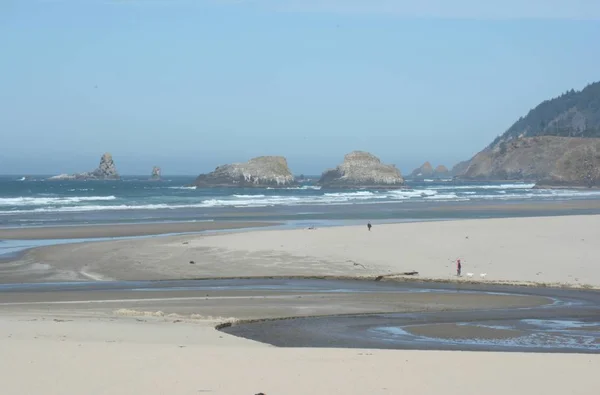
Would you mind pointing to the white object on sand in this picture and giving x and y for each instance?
(469, 274)
(482, 275)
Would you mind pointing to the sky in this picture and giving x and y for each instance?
(189, 85)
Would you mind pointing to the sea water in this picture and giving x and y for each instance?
(36, 201)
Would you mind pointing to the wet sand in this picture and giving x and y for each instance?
(160, 342)
(122, 230)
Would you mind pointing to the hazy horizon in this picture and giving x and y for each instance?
(188, 86)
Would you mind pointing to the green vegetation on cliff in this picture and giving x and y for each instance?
(572, 114)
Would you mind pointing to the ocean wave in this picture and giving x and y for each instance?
(47, 201)
(303, 187)
(351, 194)
(485, 186)
(249, 196)
(411, 193)
(52, 203)
(191, 188)
(442, 196)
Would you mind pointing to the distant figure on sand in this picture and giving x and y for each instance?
(458, 267)
(369, 226)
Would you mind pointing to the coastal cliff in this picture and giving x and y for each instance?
(362, 169)
(548, 160)
(264, 171)
(555, 145)
(106, 171)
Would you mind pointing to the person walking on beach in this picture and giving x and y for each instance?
(458, 267)
(369, 226)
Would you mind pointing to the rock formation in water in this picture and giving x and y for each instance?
(106, 171)
(426, 171)
(441, 171)
(362, 170)
(556, 145)
(155, 176)
(264, 171)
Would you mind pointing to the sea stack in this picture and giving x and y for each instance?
(264, 171)
(362, 170)
(106, 171)
(424, 171)
(441, 171)
(155, 176)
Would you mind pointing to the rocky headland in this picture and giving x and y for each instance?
(548, 160)
(106, 171)
(264, 171)
(557, 145)
(362, 170)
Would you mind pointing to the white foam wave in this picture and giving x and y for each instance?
(351, 194)
(411, 193)
(41, 204)
(442, 196)
(305, 187)
(191, 188)
(249, 196)
(485, 186)
(541, 194)
(46, 201)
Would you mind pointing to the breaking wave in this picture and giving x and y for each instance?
(46, 201)
(307, 196)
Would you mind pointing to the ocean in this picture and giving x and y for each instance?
(34, 201)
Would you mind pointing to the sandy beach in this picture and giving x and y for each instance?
(169, 344)
(95, 357)
(83, 347)
(548, 250)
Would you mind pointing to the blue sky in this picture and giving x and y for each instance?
(189, 85)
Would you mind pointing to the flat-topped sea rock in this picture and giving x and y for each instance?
(106, 171)
(362, 170)
(264, 171)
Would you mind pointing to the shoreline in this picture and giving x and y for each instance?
(124, 230)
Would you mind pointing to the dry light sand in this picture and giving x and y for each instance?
(125, 357)
(109, 355)
(551, 250)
